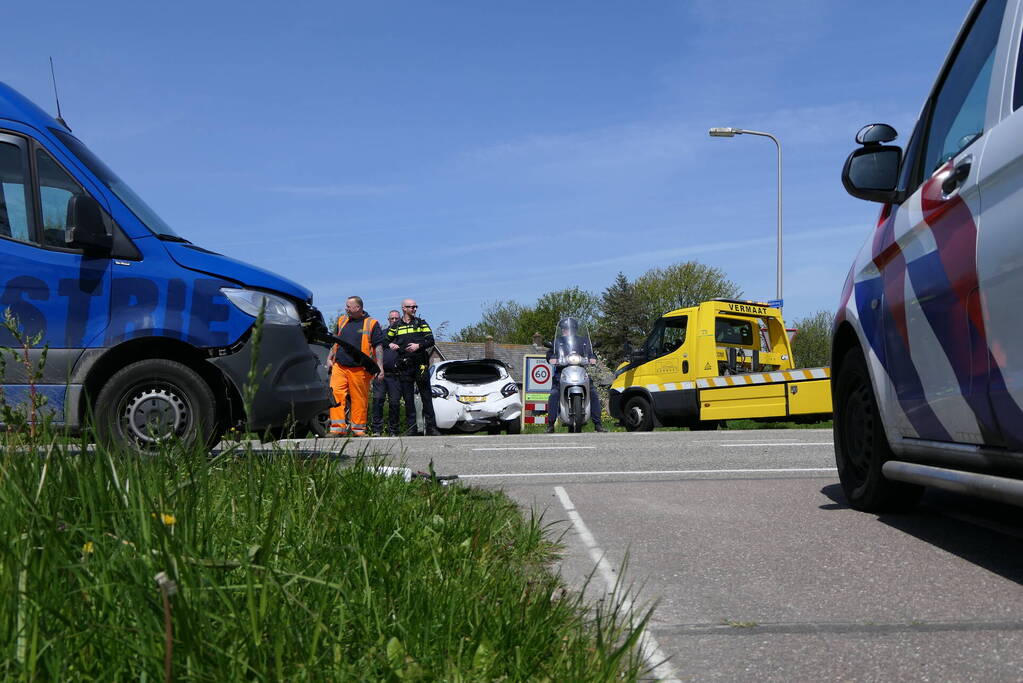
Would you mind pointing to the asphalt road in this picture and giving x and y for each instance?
(754, 564)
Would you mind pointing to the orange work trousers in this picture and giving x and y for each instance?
(352, 384)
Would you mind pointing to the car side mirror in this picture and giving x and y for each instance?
(872, 172)
(638, 355)
(547, 345)
(86, 228)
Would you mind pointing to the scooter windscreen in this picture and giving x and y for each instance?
(572, 342)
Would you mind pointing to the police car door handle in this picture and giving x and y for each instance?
(960, 173)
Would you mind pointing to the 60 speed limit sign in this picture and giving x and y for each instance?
(537, 375)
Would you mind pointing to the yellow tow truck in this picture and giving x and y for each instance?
(724, 359)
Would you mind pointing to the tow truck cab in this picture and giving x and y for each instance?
(149, 332)
(723, 359)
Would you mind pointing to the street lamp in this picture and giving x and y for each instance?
(724, 132)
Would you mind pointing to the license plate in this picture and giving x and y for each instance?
(472, 399)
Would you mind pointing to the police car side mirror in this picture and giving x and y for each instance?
(876, 134)
(85, 226)
(872, 172)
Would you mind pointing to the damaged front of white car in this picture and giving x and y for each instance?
(470, 395)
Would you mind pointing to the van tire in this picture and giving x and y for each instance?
(637, 415)
(861, 447)
(160, 392)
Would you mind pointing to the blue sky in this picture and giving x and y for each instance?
(466, 152)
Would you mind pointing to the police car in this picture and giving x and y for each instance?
(927, 359)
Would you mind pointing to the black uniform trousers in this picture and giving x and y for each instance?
(388, 389)
(412, 379)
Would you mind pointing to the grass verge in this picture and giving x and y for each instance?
(254, 566)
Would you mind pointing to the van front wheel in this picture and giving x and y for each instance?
(154, 401)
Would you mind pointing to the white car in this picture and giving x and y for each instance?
(470, 395)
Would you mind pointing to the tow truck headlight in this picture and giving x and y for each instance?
(574, 359)
(509, 389)
(277, 310)
(438, 391)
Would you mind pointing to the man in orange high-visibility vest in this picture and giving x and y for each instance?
(349, 379)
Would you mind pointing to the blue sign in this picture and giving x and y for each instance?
(776, 303)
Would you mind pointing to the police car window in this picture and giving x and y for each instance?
(13, 194)
(957, 116)
(56, 188)
(733, 331)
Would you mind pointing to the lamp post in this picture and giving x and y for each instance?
(732, 132)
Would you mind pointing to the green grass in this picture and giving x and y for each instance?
(283, 568)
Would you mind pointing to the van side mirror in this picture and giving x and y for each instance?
(85, 226)
(872, 172)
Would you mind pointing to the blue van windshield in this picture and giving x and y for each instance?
(116, 185)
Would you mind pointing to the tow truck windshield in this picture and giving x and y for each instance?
(120, 188)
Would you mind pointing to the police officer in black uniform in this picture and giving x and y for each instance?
(388, 389)
(412, 338)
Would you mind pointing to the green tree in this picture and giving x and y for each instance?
(621, 319)
(811, 347)
(551, 307)
(510, 322)
(660, 290)
(500, 320)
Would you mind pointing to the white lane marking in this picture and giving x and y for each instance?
(790, 442)
(775, 443)
(545, 443)
(774, 470)
(652, 652)
(536, 448)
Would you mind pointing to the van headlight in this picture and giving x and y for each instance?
(276, 309)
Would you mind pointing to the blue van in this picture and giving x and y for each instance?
(145, 333)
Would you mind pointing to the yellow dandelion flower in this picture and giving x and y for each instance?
(88, 548)
(168, 520)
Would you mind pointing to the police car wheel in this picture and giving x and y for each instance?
(637, 415)
(154, 401)
(861, 447)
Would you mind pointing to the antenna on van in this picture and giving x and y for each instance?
(53, 77)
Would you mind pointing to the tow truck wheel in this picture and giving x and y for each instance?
(154, 401)
(861, 447)
(637, 415)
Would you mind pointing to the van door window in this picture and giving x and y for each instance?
(13, 194)
(56, 187)
(669, 335)
(957, 116)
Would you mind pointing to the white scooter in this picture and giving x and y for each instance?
(571, 353)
